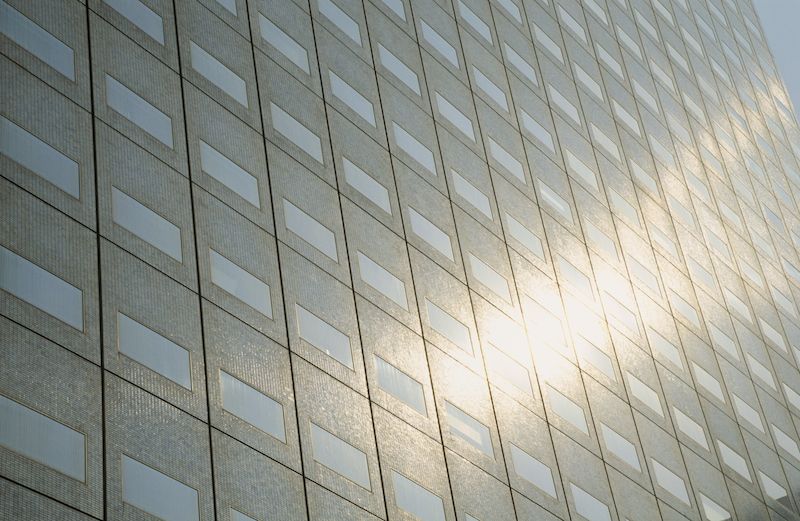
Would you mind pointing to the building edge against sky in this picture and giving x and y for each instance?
(396, 259)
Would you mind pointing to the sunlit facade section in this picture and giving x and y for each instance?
(437, 260)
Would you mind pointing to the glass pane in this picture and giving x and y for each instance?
(154, 351)
(252, 406)
(146, 224)
(40, 288)
(324, 336)
(340, 456)
(400, 385)
(241, 284)
(37, 41)
(42, 439)
(39, 157)
(469, 429)
(417, 500)
(533, 470)
(141, 113)
(218, 74)
(156, 493)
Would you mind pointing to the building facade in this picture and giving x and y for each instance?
(333, 260)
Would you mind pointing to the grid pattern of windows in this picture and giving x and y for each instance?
(395, 259)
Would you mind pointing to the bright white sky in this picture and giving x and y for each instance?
(781, 22)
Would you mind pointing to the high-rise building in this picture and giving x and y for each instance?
(463, 260)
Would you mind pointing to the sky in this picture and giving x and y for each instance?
(780, 20)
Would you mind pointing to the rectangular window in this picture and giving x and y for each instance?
(626, 117)
(324, 336)
(525, 68)
(397, 8)
(218, 74)
(735, 461)
(573, 25)
(533, 126)
(40, 158)
(457, 118)
(285, 44)
(340, 456)
(411, 146)
(366, 185)
(555, 202)
(597, 10)
(507, 160)
(581, 170)
(449, 327)
(737, 304)
(375, 275)
(760, 371)
(564, 104)
(400, 385)
(475, 21)
(138, 111)
(589, 506)
(141, 16)
(708, 382)
(600, 239)
(487, 276)
(238, 516)
(690, 428)
(641, 272)
(587, 81)
(238, 282)
(310, 230)
(230, 5)
(621, 206)
(548, 43)
(685, 309)
(645, 394)
(252, 406)
(490, 88)
(472, 194)
(158, 494)
(606, 57)
(145, 223)
(430, 233)
(786, 442)
(234, 177)
(773, 335)
(42, 439)
(340, 19)
(596, 357)
(469, 429)
(512, 9)
(665, 348)
(671, 482)
(352, 98)
(569, 410)
(605, 142)
(509, 369)
(296, 132)
(415, 499)
(532, 470)
(37, 41)
(629, 42)
(620, 447)
(529, 240)
(722, 341)
(446, 50)
(575, 276)
(38, 287)
(400, 70)
(154, 351)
